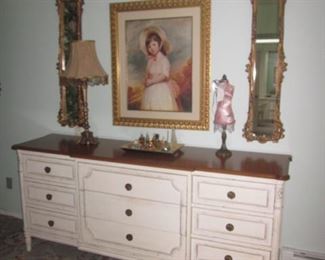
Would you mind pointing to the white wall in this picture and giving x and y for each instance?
(30, 98)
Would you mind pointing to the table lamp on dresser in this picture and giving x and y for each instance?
(85, 69)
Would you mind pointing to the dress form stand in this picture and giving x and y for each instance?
(223, 152)
(224, 119)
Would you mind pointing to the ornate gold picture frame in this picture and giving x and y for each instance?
(169, 88)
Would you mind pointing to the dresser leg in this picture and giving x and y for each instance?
(28, 240)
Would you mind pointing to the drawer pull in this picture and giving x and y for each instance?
(128, 212)
(231, 195)
(49, 196)
(129, 237)
(228, 257)
(230, 227)
(50, 223)
(47, 169)
(128, 186)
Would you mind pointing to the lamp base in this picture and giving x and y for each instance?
(87, 138)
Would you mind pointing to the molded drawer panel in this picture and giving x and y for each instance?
(150, 214)
(55, 223)
(232, 226)
(96, 231)
(50, 196)
(134, 183)
(49, 168)
(233, 194)
(203, 250)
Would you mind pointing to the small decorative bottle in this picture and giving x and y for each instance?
(173, 139)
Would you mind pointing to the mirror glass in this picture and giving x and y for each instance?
(265, 71)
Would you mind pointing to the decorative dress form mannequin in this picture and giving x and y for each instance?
(224, 119)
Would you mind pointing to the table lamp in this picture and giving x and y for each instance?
(85, 69)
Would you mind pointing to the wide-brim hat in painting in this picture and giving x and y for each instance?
(162, 34)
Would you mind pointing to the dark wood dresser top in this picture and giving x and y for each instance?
(273, 166)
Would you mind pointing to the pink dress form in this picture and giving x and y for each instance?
(224, 117)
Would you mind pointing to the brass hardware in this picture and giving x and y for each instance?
(129, 237)
(128, 186)
(230, 227)
(50, 223)
(49, 196)
(228, 257)
(128, 212)
(231, 195)
(47, 169)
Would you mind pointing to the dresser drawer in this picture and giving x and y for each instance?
(50, 222)
(234, 194)
(232, 226)
(99, 232)
(50, 196)
(142, 213)
(134, 183)
(50, 169)
(204, 250)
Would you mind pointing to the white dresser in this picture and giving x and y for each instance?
(128, 205)
(235, 217)
(50, 197)
(130, 209)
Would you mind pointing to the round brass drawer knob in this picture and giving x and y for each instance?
(228, 257)
(128, 212)
(47, 169)
(129, 237)
(128, 186)
(50, 223)
(230, 227)
(231, 195)
(49, 196)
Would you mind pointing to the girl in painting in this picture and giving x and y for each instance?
(160, 92)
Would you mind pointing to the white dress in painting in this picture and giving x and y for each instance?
(159, 96)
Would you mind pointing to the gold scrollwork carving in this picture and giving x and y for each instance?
(265, 72)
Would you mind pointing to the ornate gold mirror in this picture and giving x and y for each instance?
(71, 104)
(265, 72)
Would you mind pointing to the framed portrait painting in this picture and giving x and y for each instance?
(161, 64)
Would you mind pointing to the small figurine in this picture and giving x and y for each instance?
(156, 142)
(141, 139)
